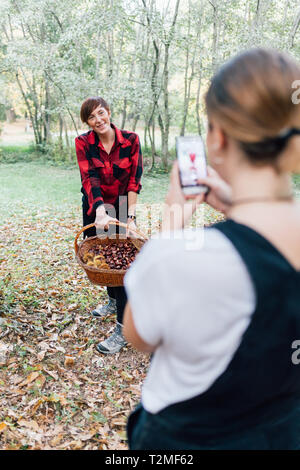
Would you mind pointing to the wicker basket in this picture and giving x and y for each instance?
(104, 277)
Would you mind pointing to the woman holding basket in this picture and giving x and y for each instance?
(111, 166)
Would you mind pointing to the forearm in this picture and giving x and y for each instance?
(100, 211)
(102, 219)
(172, 218)
(89, 176)
(132, 200)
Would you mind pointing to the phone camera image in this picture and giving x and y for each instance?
(192, 164)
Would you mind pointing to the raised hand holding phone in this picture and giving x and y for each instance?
(219, 195)
(177, 203)
(192, 164)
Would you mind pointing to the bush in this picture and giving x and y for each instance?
(13, 154)
(44, 153)
(63, 156)
(59, 154)
(2, 112)
(158, 168)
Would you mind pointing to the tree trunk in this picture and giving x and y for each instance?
(124, 114)
(153, 135)
(65, 102)
(164, 149)
(98, 61)
(37, 111)
(60, 140)
(11, 115)
(47, 113)
(215, 35)
(165, 128)
(188, 85)
(166, 114)
(30, 112)
(155, 68)
(66, 133)
(151, 130)
(164, 143)
(294, 29)
(145, 135)
(136, 120)
(198, 99)
(185, 99)
(69, 151)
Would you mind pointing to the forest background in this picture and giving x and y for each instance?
(150, 59)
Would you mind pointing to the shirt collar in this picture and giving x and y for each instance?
(119, 139)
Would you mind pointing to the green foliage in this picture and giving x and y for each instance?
(59, 154)
(55, 154)
(296, 181)
(2, 112)
(13, 154)
(129, 54)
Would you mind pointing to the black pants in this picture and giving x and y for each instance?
(118, 293)
(153, 431)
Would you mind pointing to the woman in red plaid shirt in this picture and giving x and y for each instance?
(111, 166)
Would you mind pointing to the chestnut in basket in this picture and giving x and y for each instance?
(114, 256)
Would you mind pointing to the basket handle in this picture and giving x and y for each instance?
(121, 224)
(78, 235)
(76, 247)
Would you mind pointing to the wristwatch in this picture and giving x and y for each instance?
(133, 217)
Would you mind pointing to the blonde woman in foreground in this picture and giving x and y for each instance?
(223, 320)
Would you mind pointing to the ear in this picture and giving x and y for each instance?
(219, 138)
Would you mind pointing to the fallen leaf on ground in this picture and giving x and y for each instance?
(2, 426)
(29, 424)
(58, 398)
(73, 444)
(122, 435)
(52, 374)
(40, 382)
(41, 355)
(69, 361)
(56, 440)
(31, 377)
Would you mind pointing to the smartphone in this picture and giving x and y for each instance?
(192, 164)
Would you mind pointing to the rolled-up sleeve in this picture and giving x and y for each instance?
(134, 183)
(89, 175)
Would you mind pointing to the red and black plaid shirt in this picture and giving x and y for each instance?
(106, 177)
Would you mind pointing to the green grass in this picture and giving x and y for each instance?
(39, 185)
(296, 180)
(35, 186)
(21, 148)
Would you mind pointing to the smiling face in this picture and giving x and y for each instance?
(99, 120)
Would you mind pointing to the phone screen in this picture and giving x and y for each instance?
(192, 163)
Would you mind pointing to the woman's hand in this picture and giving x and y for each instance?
(131, 226)
(178, 210)
(102, 219)
(220, 195)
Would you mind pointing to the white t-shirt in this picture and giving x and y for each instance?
(196, 302)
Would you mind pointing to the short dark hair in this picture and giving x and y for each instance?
(89, 105)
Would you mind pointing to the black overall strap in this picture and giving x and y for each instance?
(261, 385)
(261, 381)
